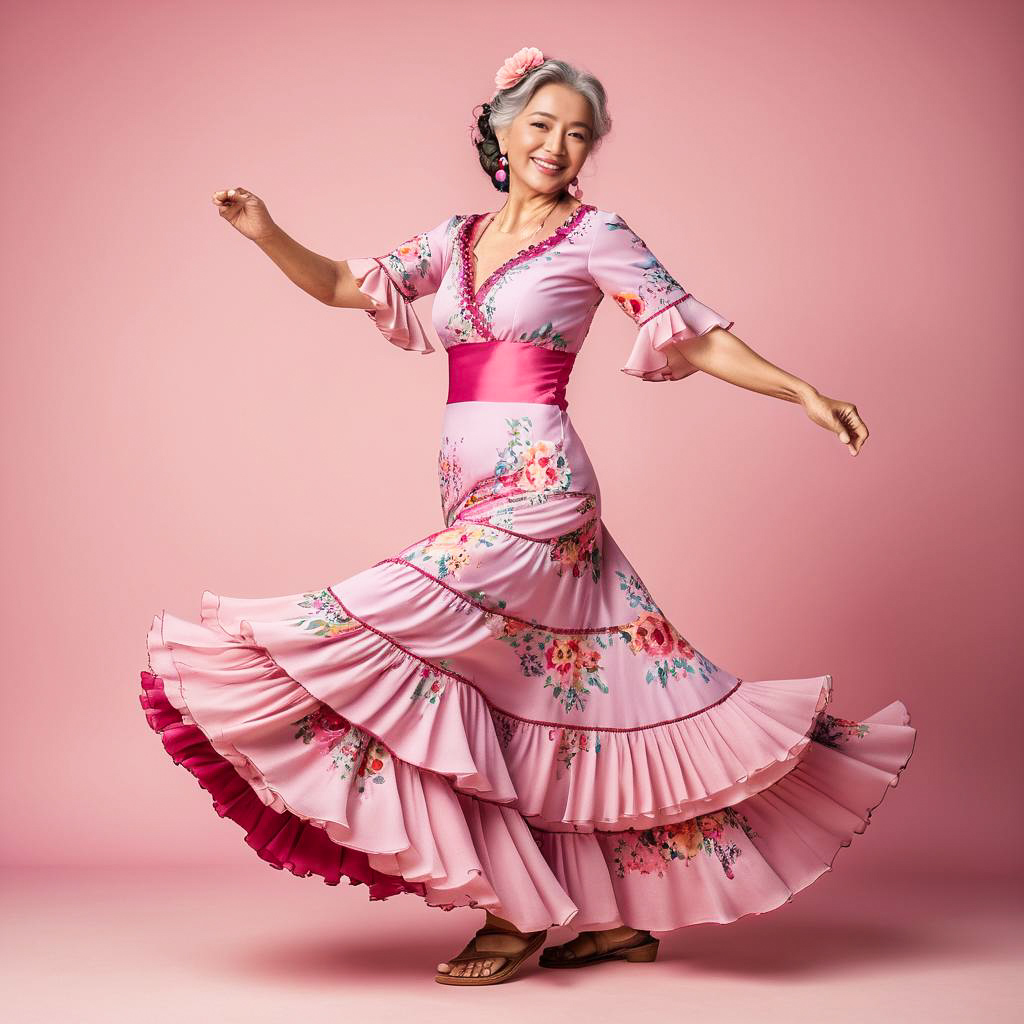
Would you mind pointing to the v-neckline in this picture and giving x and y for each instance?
(469, 256)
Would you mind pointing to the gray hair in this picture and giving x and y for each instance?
(507, 104)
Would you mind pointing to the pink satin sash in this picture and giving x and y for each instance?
(508, 371)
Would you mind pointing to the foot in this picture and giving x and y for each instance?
(622, 937)
(484, 966)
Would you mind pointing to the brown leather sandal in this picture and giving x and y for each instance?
(515, 947)
(593, 947)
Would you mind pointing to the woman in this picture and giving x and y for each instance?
(500, 716)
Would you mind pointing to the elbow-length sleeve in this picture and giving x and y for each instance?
(665, 313)
(394, 280)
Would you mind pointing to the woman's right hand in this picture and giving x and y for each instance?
(245, 211)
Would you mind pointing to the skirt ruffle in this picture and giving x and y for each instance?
(342, 753)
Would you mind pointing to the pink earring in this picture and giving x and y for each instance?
(578, 194)
(501, 174)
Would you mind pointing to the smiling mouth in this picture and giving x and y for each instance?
(545, 166)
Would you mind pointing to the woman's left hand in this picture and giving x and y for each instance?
(841, 418)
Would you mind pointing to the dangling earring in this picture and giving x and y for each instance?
(501, 175)
(578, 194)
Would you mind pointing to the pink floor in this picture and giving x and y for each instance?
(250, 944)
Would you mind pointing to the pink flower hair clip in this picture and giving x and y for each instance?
(518, 65)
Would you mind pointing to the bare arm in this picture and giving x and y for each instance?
(723, 355)
(330, 281)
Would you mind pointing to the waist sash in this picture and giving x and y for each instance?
(508, 371)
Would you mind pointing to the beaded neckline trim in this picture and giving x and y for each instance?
(524, 254)
(471, 299)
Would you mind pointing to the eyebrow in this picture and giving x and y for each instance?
(544, 113)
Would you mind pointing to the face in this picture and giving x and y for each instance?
(548, 143)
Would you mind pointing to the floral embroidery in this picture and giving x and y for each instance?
(528, 464)
(578, 549)
(654, 634)
(505, 516)
(413, 259)
(482, 597)
(431, 683)
(570, 743)
(655, 284)
(548, 337)
(449, 473)
(832, 731)
(476, 496)
(460, 327)
(637, 594)
(449, 550)
(505, 727)
(570, 740)
(349, 747)
(648, 852)
(569, 662)
(328, 619)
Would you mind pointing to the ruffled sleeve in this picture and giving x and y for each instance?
(394, 280)
(665, 313)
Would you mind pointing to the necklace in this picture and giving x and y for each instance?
(531, 236)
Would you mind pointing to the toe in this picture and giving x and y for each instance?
(443, 968)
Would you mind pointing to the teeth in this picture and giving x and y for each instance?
(544, 163)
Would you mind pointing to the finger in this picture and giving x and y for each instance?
(844, 429)
(860, 431)
(859, 436)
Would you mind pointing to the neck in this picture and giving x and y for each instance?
(522, 212)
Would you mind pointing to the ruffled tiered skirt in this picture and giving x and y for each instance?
(500, 716)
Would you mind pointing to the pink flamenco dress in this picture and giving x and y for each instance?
(500, 715)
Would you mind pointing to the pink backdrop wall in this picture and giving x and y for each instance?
(842, 179)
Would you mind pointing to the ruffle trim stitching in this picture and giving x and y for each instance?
(567, 630)
(509, 714)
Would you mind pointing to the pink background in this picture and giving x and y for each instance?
(841, 179)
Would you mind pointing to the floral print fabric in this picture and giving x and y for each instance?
(547, 295)
(499, 713)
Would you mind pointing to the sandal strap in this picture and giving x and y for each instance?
(491, 941)
(588, 944)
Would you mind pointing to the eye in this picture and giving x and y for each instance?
(541, 124)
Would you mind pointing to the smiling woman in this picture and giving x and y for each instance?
(501, 715)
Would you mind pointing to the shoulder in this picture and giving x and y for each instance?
(611, 221)
(611, 226)
(605, 217)
(441, 237)
(452, 226)
(447, 227)
(611, 237)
